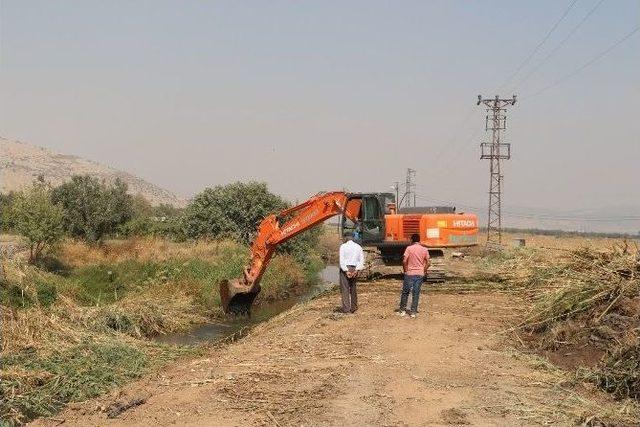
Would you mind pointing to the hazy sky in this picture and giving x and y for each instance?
(312, 96)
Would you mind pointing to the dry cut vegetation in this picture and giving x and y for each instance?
(585, 309)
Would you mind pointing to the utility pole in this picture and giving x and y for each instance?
(396, 187)
(409, 186)
(494, 151)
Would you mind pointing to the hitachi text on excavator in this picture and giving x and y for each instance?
(373, 217)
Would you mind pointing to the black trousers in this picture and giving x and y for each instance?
(349, 293)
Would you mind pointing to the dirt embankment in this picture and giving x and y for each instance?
(310, 366)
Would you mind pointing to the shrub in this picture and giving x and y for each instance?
(6, 205)
(93, 209)
(35, 217)
(147, 220)
(170, 227)
(138, 226)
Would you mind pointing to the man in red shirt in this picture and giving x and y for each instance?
(415, 263)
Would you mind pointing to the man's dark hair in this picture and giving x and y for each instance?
(415, 238)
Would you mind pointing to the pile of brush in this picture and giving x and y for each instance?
(589, 301)
(619, 371)
(599, 287)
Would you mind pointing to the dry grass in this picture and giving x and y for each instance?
(619, 371)
(99, 308)
(158, 287)
(601, 285)
(540, 241)
(583, 301)
(78, 253)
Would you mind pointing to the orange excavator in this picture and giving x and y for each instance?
(372, 218)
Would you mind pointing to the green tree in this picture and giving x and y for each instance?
(161, 220)
(235, 210)
(165, 210)
(93, 209)
(232, 210)
(141, 222)
(140, 206)
(6, 204)
(38, 219)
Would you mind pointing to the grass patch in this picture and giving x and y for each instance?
(34, 386)
(47, 293)
(12, 295)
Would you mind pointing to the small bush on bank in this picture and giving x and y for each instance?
(47, 293)
(160, 221)
(37, 219)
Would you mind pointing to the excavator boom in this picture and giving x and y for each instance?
(238, 295)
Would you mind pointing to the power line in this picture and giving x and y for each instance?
(587, 64)
(437, 167)
(451, 142)
(539, 45)
(551, 217)
(442, 168)
(559, 45)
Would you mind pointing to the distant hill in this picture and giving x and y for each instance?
(21, 163)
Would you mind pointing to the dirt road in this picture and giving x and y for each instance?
(310, 366)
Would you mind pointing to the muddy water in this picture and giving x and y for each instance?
(210, 332)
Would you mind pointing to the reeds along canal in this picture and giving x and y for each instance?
(211, 332)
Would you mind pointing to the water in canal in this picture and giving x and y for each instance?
(210, 332)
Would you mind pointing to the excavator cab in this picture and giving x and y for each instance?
(369, 209)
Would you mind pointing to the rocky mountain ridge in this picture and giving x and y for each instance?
(21, 163)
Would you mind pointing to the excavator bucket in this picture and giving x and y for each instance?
(236, 298)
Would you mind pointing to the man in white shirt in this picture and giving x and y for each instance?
(351, 262)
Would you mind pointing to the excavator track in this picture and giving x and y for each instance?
(436, 272)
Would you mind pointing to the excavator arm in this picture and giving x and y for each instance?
(237, 295)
